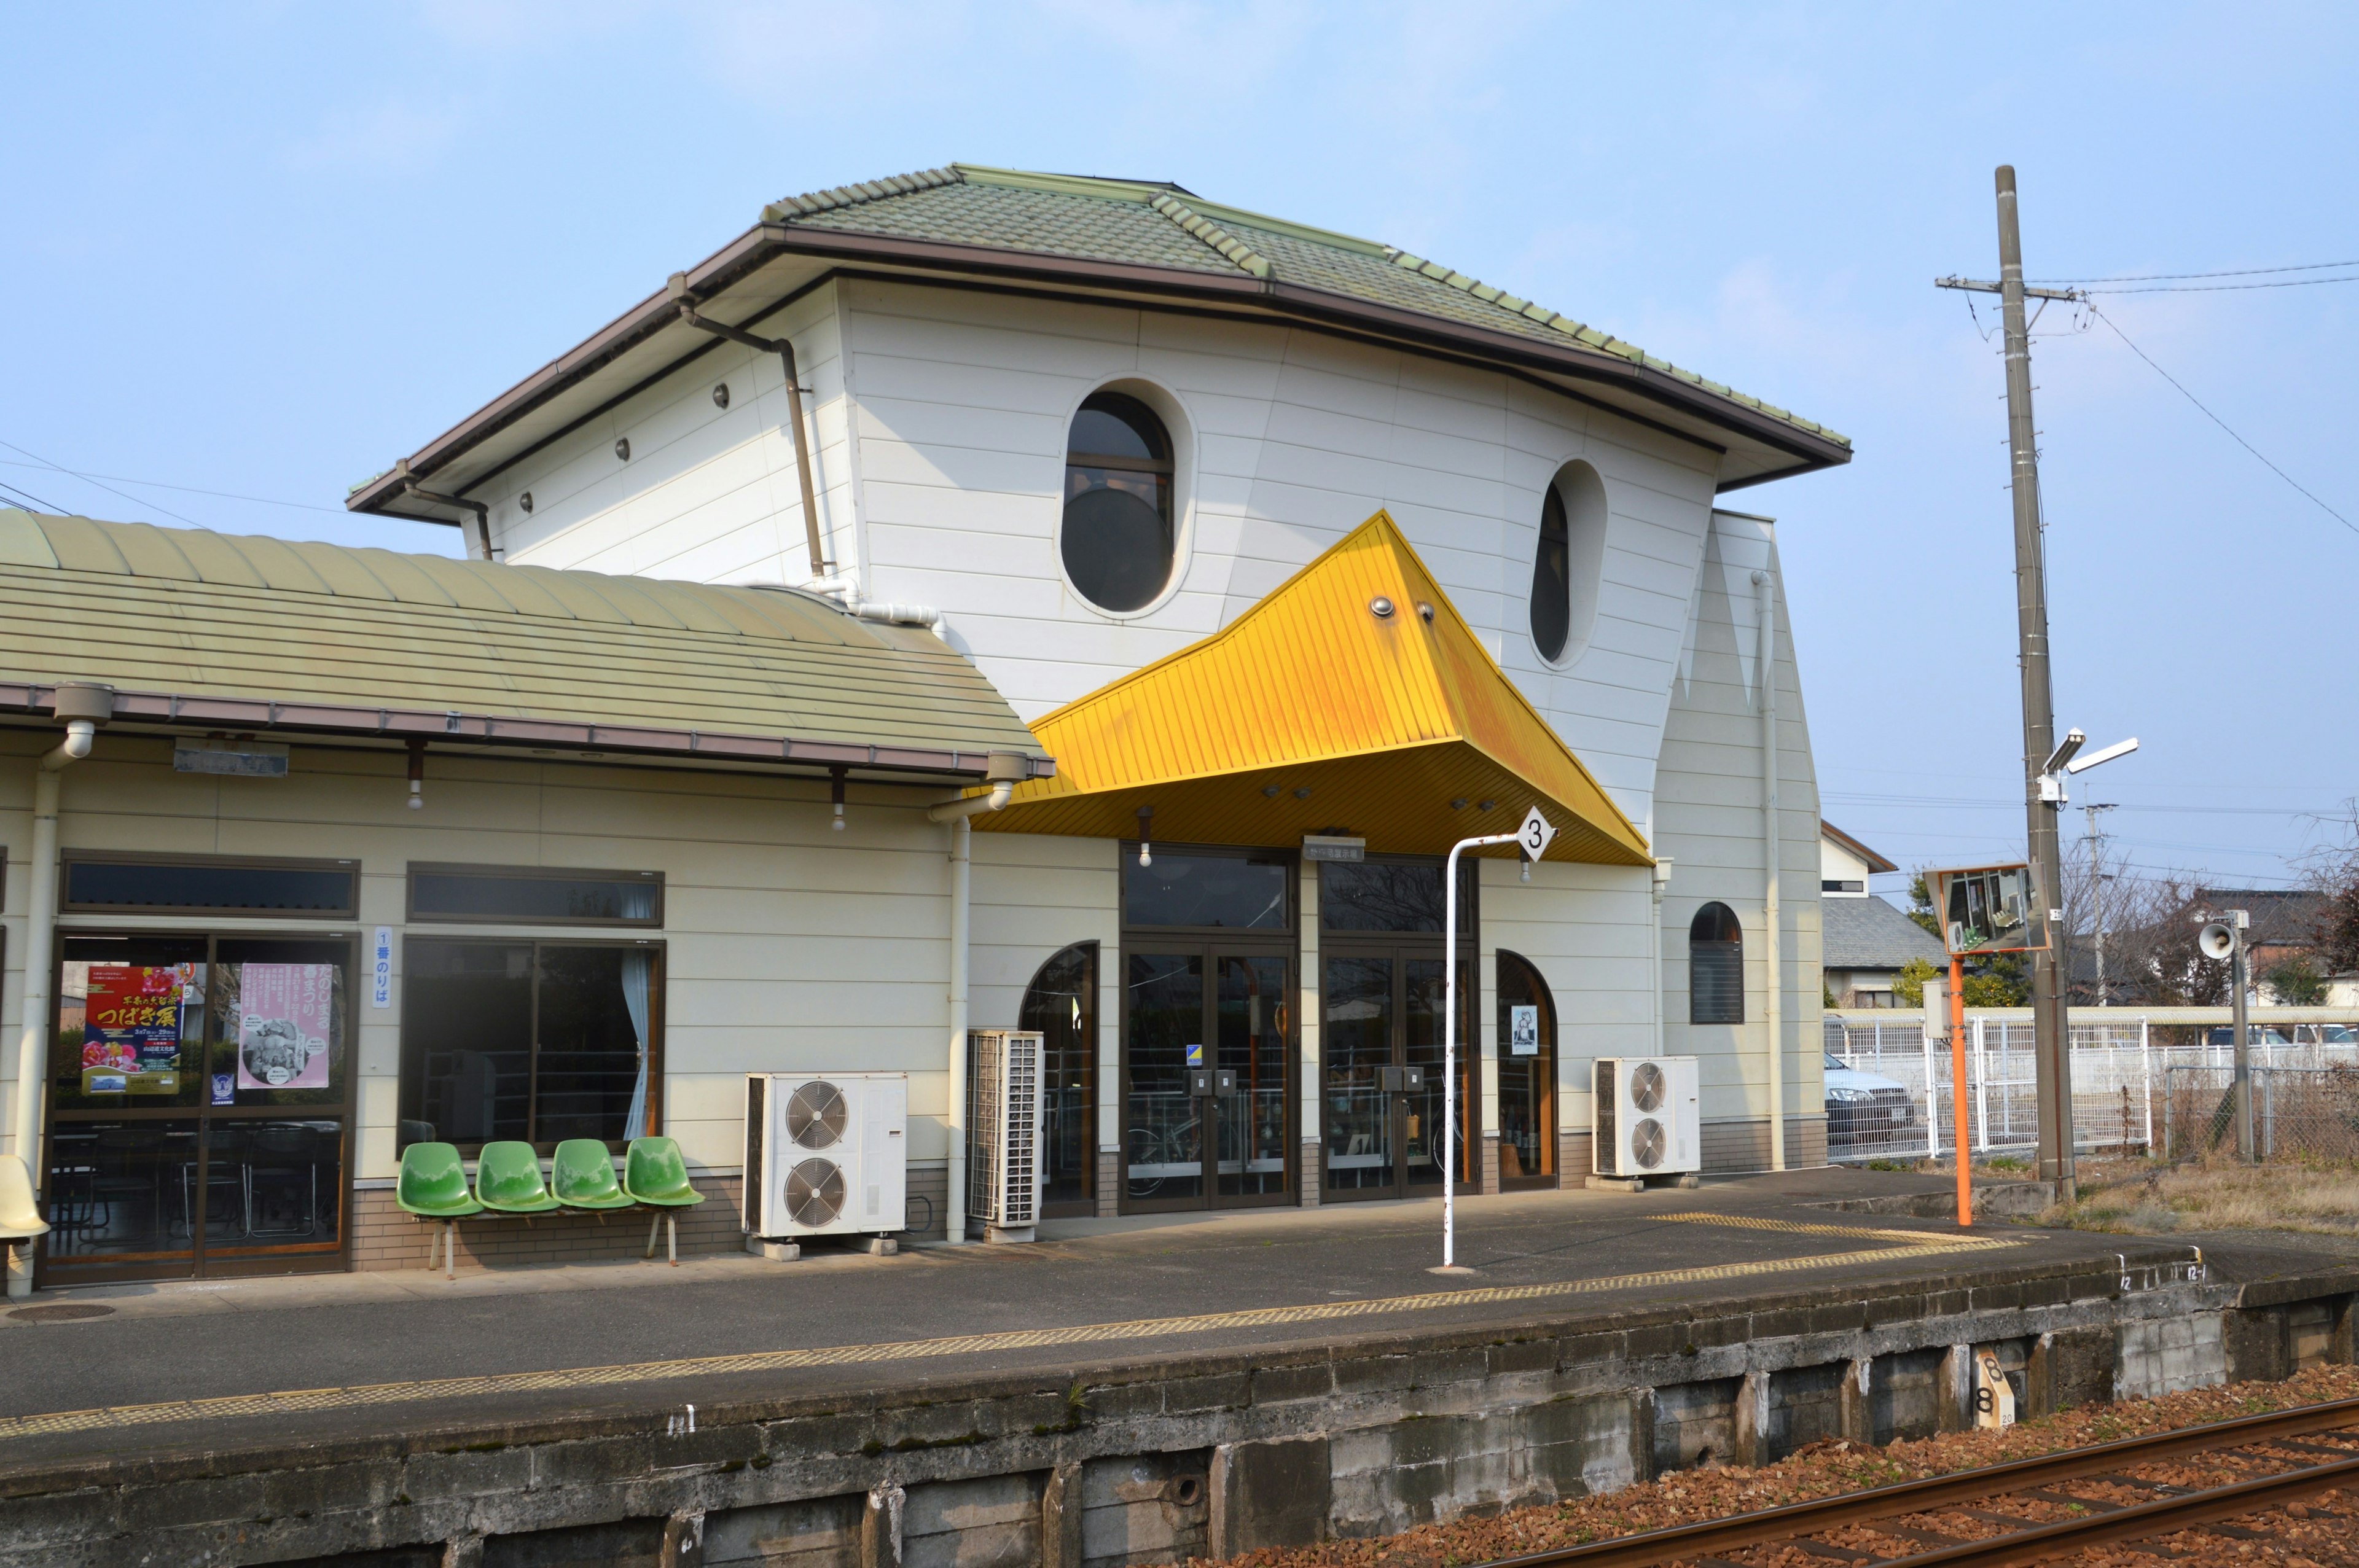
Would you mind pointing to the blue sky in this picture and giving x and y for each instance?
(262, 250)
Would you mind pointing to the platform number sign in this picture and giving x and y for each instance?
(1534, 836)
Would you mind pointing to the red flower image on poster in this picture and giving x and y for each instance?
(282, 1037)
(131, 1028)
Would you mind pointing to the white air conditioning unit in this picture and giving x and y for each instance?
(1003, 1122)
(1643, 1116)
(826, 1154)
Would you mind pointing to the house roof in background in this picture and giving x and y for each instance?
(1132, 240)
(1875, 862)
(1871, 934)
(195, 628)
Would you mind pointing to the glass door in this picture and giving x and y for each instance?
(1253, 1071)
(1163, 1047)
(1361, 1075)
(201, 1096)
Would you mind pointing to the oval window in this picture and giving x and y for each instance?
(1118, 543)
(1569, 562)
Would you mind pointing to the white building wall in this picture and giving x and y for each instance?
(1709, 821)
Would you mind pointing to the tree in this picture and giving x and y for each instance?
(2296, 982)
(1909, 985)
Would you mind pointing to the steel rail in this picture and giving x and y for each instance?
(1934, 1493)
(2138, 1521)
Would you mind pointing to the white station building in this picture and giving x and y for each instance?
(975, 600)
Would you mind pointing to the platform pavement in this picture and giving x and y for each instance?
(197, 1363)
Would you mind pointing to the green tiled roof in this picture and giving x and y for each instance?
(1147, 224)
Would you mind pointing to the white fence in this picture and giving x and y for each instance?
(2114, 1087)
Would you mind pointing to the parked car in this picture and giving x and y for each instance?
(1865, 1114)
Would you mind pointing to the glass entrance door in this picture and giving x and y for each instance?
(1207, 1077)
(200, 1092)
(1383, 1044)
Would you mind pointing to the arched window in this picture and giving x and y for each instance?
(1715, 966)
(1568, 562)
(1061, 1003)
(1118, 542)
(1526, 1076)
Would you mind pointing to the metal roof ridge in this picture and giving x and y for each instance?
(1590, 337)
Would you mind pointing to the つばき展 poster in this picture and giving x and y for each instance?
(131, 1028)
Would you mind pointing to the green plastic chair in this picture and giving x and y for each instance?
(657, 1178)
(507, 1180)
(434, 1188)
(583, 1176)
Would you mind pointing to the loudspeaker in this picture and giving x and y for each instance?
(2217, 941)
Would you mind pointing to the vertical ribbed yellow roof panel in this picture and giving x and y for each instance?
(1354, 696)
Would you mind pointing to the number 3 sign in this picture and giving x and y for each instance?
(1533, 838)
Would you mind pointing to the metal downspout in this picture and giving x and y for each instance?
(1003, 770)
(1774, 999)
(821, 563)
(83, 707)
(480, 547)
(1662, 879)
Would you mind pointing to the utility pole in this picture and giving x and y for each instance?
(2052, 1047)
(2097, 892)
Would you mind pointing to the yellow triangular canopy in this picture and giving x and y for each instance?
(1315, 713)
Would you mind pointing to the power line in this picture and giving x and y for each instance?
(2240, 440)
(2223, 287)
(28, 495)
(108, 488)
(2181, 276)
(189, 488)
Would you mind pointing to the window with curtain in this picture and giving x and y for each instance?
(1715, 966)
(535, 1041)
(529, 895)
(1117, 540)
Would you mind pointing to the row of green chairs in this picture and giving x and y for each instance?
(433, 1187)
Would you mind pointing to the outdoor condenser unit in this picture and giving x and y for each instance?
(1003, 1159)
(1643, 1116)
(826, 1154)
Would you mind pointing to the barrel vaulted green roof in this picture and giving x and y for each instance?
(194, 628)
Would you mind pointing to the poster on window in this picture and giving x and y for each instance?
(1523, 1031)
(131, 1027)
(282, 1028)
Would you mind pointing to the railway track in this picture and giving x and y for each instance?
(2022, 1512)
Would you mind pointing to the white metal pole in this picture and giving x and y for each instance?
(1932, 1101)
(1450, 1043)
(954, 1116)
(2146, 1084)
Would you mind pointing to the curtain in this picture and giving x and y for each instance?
(639, 970)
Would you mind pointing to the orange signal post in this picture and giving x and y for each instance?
(1958, 1086)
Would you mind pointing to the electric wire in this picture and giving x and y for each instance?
(2183, 276)
(28, 495)
(189, 488)
(101, 484)
(2207, 412)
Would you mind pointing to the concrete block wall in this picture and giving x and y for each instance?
(1207, 1454)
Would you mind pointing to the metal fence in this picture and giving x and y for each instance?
(2113, 1068)
(2128, 1093)
(2299, 1112)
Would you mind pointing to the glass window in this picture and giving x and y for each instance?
(323, 888)
(131, 1023)
(1715, 966)
(540, 1041)
(1222, 891)
(527, 897)
(1061, 1004)
(1391, 896)
(1118, 541)
(279, 1012)
(1527, 1072)
(1551, 586)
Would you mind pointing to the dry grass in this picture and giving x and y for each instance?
(2143, 1197)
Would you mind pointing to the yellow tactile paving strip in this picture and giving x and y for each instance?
(1897, 1245)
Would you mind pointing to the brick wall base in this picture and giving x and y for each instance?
(385, 1237)
(1744, 1145)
